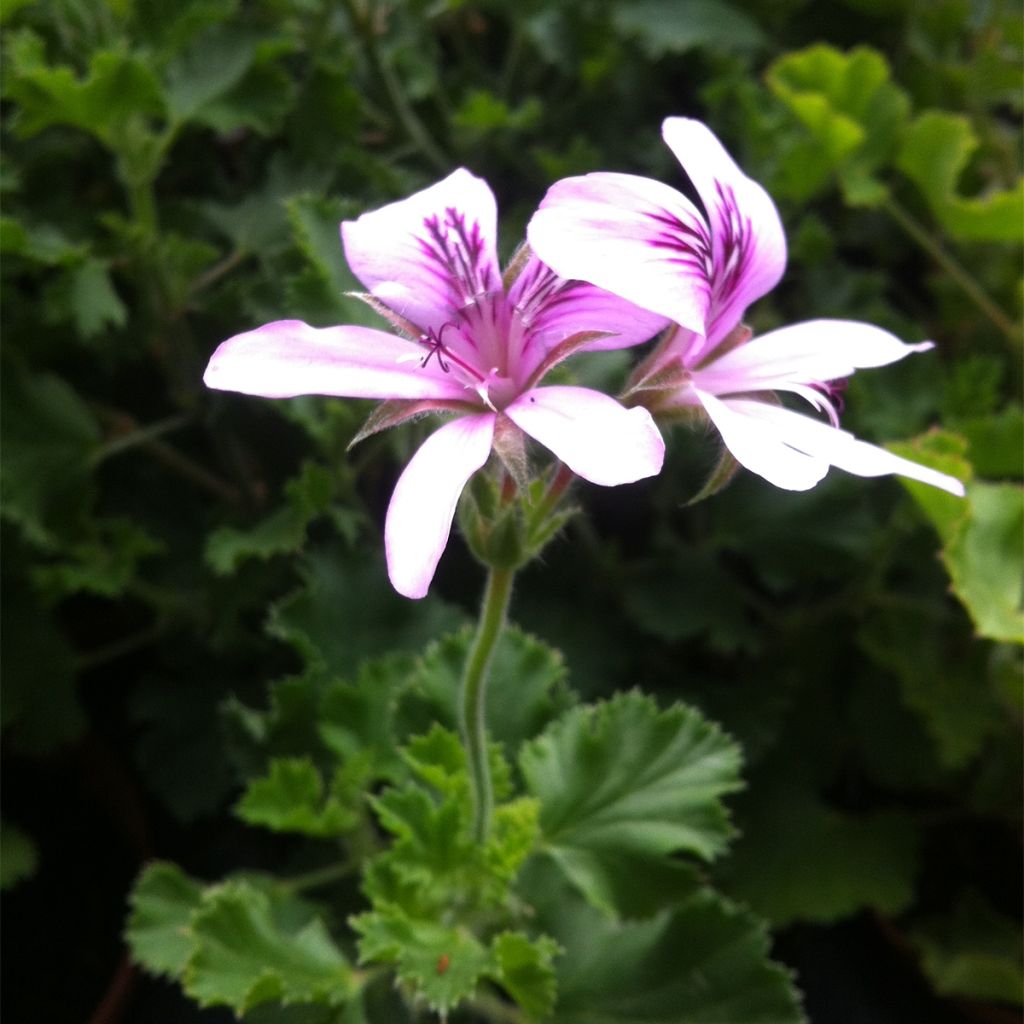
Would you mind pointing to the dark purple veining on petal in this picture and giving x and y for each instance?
(690, 245)
(736, 249)
(537, 287)
(458, 251)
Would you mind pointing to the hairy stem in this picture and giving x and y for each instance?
(474, 695)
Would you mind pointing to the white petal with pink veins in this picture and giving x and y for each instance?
(288, 358)
(423, 504)
(632, 236)
(748, 242)
(596, 437)
(771, 440)
(813, 352)
(431, 254)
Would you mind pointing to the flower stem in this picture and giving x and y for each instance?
(958, 273)
(474, 695)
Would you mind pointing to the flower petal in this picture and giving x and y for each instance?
(596, 437)
(760, 450)
(813, 352)
(422, 507)
(775, 429)
(429, 255)
(552, 309)
(288, 358)
(631, 236)
(748, 243)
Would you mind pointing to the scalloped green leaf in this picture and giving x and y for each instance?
(704, 960)
(851, 108)
(209, 68)
(442, 965)
(315, 227)
(664, 26)
(935, 152)
(625, 777)
(525, 970)
(118, 88)
(346, 611)
(307, 496)
(526, 690)
(941, 677)
(800, 860)
(973, 953)
(243, 957)
(982, 536)
(162, 902)
(293, 798)
(50, 440)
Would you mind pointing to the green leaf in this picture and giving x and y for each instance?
(214, 63)
(18, 856)
(973, 953)
(50, 438)
(995, 443)
(104, 564)
(308, 496)
(431, 840)
(243, 957)
(663, 26)
(704, 960)
(936, 150)
(624, 777)
(95, 306)
(942, 677)
(799, 860)
(346, 611)
(982, 536)
(162, 901)
(852, 110)
(525, 970)
(315, 224)
(441, 965)
(118, 88)
(39, 697)
(526, 691)
(292, 798)
(356, 720)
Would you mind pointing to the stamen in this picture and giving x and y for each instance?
(434, 341)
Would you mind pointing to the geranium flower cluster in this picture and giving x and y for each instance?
(614, 260)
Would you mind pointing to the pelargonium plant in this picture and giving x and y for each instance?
(507, 894)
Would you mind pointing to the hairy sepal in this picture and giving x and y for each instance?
(396, 411)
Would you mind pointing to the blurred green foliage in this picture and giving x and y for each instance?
(173, 173)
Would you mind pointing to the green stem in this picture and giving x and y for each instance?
(958, 273)
(362, 20)
(474, 695)
(321, 876)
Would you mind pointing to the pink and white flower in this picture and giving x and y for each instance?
(468, 345)
(648, 243)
